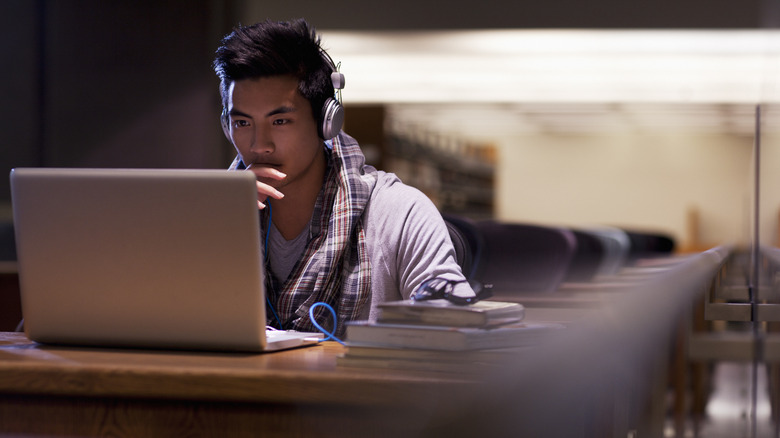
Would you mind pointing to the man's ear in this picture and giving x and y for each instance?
(224, 120)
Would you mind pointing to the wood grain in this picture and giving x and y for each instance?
(121, 392)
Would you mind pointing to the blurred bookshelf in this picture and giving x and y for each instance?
(458, 176)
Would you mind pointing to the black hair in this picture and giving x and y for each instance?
(273, 48)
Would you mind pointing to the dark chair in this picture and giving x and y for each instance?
(524, 258)
(587, 257)
(645, 244)
(467, 242)
(616, 246)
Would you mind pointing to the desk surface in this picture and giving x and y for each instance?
(125, 392)
(301, 375)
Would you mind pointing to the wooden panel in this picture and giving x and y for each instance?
(54, 416)
(46, 390)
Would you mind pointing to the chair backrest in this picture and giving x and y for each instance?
(467, 242)
(616, 248)
(524, 257)
(587, 257)
(646, 244)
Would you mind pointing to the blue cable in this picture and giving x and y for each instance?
(267, 228)
(276, 317)
(265, 255)
(330, 335)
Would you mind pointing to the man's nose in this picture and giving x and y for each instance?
(262, 142)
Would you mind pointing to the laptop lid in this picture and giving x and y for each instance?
(141, 258)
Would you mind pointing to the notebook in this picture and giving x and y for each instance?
(146, 258)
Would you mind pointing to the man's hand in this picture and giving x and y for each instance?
(264, 190)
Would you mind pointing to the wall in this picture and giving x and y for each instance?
(129, 83)
(646, 180)
(769, 177)
(465, 14)
(19, 129)
(90, 83)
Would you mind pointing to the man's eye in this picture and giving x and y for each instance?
(278, 122)
(240, 123)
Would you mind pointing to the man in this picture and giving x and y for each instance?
(336, 230)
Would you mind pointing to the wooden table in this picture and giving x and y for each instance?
(605, 378)
(55, 391)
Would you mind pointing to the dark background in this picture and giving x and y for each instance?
(128, 83)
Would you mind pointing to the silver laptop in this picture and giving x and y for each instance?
(143, 258)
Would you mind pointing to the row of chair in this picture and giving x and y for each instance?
(523, 257)
(520, 257)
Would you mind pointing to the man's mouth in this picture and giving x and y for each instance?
(266, 171)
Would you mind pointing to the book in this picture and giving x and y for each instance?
(446, 337)
(409, 364)
(484, 355)
(366, 356)
(442, 312)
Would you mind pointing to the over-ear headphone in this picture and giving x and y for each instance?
(332, 115)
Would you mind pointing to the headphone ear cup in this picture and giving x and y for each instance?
(332, 119)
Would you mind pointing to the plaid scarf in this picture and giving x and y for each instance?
(334, 268)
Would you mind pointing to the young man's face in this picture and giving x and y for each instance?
(272, 127)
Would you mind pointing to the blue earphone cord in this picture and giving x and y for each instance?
(265, 253)
(330, 335)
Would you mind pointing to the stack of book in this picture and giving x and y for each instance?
(441, 336)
